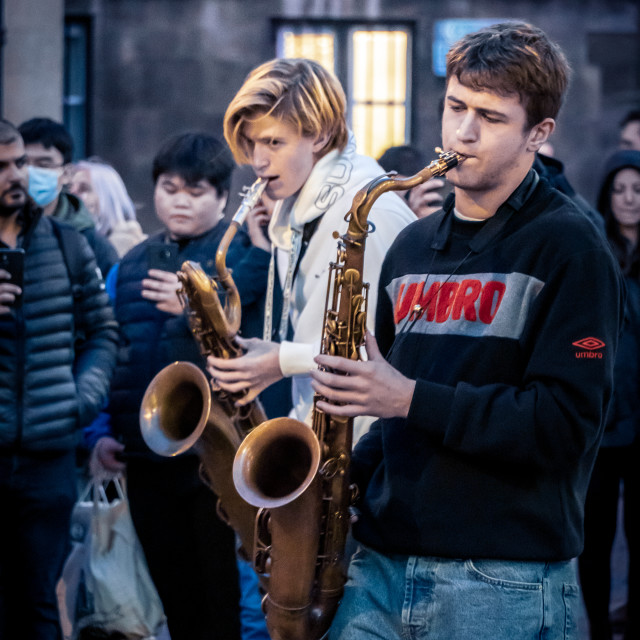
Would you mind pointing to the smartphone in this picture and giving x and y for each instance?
(163, 256)
(12, 260)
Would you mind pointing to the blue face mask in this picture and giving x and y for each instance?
(44, 185)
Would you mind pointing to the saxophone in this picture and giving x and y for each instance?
(299, 477)
(179, 411)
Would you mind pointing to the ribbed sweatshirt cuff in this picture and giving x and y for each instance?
(296, 358)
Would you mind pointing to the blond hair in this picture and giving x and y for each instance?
(296, 91)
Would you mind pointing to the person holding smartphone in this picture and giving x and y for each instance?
(193, 560)
(49, 389)
(11, 278)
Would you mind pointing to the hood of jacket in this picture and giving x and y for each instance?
(71, 210)
(321, 190)
(626, 158)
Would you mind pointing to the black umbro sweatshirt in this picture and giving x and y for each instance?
(510, 327)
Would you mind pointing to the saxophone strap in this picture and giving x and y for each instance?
(299, 243)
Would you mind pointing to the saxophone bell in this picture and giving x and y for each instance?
(276, 462)
(175, 409)
(179, 411)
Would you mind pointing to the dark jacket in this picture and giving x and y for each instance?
(152, 339)
(624, 416)
(71, 210)
(513, 360)
(552, 170)
(51, 385)
(623, 421)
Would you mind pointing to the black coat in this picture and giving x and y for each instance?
(152, 339)
(50, 387)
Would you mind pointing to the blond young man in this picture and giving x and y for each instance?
(288, 122)
(497, 325)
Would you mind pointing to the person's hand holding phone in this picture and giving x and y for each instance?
(427, 198)
(162, 288)
(162, 284)
(11, 278)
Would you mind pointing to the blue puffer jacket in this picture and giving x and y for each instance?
(50, 385)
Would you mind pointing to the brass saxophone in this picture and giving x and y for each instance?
(179, 411)
(299, 477)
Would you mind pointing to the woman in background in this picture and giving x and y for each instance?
(105, 196)
(617, 463)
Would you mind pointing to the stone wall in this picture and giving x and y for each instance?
(32, 59)
(164, 66)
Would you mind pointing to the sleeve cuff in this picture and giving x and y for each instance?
(296, 358)
(430, 407)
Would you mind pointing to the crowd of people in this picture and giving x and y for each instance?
(496, 406)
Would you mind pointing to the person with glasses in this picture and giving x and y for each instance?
(49, 149)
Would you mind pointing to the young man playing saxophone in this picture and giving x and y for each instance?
(496, 330)
(288, 122)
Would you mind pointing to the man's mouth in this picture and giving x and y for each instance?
(15, 194)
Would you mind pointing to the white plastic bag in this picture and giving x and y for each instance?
(105, 582)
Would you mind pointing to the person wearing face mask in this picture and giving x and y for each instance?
(49, 148)
(615, 474)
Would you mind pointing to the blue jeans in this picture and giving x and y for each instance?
(421, 598)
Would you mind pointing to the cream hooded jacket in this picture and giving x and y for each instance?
(328, 192)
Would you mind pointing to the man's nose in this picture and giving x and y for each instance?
(16, 173)
(467, 130)
(181, 198)
(260, 159)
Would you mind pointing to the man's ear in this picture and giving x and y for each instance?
(540, 134)
(320, 143)
(224, 198)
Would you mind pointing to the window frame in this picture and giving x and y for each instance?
(343, 53)
(80, 128)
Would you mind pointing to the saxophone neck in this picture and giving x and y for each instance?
(251, 196)
(364, 199)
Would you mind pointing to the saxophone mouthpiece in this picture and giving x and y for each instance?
(250, 196)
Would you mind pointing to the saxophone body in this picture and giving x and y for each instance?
(299, 476)
(179, 410)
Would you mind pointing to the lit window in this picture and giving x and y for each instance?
(379, 93)
(313, 45)
(372, 64)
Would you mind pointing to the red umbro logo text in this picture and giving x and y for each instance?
(589, 348)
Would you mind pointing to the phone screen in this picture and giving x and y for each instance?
(12, 261)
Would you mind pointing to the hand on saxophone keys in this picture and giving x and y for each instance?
(251, 373)
(369, 387)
